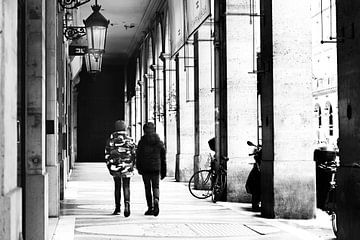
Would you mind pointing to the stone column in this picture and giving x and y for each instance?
(177, 117)
(144, 88)
(204, 95)
(186, 122)
(288, 169)
(170, 112)
(133, 115)
(74, 121)
(242, 36)
(36, 195)
(159, 99)
(348, 176)
(51, 109)
(10, 194)
(138, 103)
(220, 89)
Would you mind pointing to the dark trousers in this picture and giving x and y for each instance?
(126, 190)
(151, 183)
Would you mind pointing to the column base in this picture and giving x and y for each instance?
(348, 203)
(170, 163)
(238, 170)
(11, 215)
(54, 191)
(37, 209)
(288, 189)
(185, 167)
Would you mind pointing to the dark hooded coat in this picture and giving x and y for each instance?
(151, 155)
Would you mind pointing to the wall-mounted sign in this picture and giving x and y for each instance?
(176, 11)
(185, 18)
(197, 11)
(77, 50)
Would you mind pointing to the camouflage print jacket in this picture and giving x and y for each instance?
(120, 154)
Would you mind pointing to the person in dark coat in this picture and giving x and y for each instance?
(151, 164)
(120, 160)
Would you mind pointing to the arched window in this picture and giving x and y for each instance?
(318, 114)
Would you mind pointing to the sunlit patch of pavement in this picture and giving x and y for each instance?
(89, 201)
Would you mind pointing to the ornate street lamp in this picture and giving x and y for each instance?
(93, 65)
(96, 28)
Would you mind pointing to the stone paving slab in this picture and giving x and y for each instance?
(86, 214)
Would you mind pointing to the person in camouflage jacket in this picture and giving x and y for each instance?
(120, 160)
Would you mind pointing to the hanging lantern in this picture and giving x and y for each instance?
(96, 29)
(93, 64)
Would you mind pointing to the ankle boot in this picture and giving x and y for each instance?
(156, 207)
(127, 209)
(150, 211)
(116, 211)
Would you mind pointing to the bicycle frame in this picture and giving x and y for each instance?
(218, 179)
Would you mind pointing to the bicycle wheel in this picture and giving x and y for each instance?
(219, 186)
(200, 184)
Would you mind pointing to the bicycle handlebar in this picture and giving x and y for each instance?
(332, 168)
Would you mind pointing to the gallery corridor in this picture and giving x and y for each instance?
(86, 214)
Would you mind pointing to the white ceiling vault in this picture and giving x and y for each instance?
(129, 20)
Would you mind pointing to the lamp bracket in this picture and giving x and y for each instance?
(164, 56)
(244, 14)
(72, 4)
(148, 76)
(155, 67)
(73, 32)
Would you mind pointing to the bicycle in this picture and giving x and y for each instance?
(330, 201)
(209, 182)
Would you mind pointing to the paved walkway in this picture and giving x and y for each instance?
(86, 214)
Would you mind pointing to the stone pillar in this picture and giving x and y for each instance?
(36, 194)
(138, 103)
(133, 114)
(144, 86)
(74, 117)
(51, 110)
(288, 169)
(10, 194)
(220, 89)
(242, 36)
(186, 121)
(159, 99)
(170, 128)
(204, 96)
(348, 176)
(61, 63)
